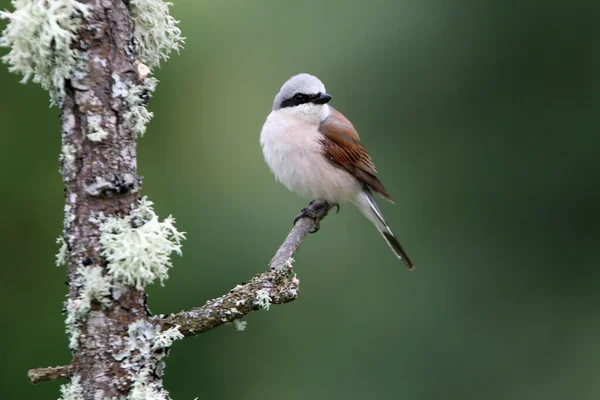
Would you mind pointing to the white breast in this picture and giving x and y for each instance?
(293, 150)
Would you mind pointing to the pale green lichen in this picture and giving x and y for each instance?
(61, 256)
(232, 311)
(68, 152)
(40, 36)
(72, 323)
(96, 132)
(138, 247)
(67, 158)
(143, 389)
(98, 187)
(240, 325)
(137, 349)
(140, 355)
(119, 88)
(137, 116)
(72, 390)
(262, 299)
(94, 287)
(155, 31)
(295, 283)
(166, 338)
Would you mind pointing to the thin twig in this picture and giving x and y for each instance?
(38, 375)
(318, 210)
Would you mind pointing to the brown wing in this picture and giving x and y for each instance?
(343, 148)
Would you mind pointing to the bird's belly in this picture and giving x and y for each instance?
(303, 169)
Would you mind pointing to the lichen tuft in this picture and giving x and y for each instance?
(166, 338)
(62, 255)
(137, 116)
(72, 390)
(141, 354)
(262, 299)
(39, 35)
(95, 287)
(96, 132)
(155, 31)
(240, 325)
(143, 389)
(138, 247)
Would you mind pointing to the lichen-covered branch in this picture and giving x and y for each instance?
(50, 373)
(275, 286)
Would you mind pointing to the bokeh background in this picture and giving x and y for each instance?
(483, 119)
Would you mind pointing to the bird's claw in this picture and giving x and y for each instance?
(315, 227)
(315, 215)
(308, 213)
(302, 214)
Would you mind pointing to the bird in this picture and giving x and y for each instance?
(315, 151)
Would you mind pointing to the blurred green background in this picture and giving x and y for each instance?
(483, 120)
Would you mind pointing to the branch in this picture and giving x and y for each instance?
(241, 300)
(50, 373)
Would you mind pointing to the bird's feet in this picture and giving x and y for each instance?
(337, 207)
(316, 210)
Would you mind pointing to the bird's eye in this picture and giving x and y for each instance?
(296, 100)
(300, 97)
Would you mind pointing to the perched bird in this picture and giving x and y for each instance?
(315, 151)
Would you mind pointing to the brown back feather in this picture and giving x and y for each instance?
(343, 149)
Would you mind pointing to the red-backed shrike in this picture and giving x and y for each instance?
(316, 152)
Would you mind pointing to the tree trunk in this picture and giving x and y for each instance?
(100, 178)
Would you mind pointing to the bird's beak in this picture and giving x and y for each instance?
(321, 98)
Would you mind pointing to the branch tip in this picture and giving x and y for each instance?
(47, 374)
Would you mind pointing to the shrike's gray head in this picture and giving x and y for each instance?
(301, 89)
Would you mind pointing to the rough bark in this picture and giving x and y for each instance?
(105, 38)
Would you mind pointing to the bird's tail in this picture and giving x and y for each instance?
(367, 205)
